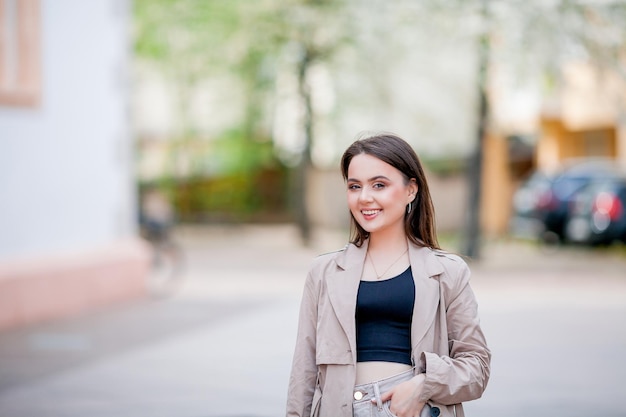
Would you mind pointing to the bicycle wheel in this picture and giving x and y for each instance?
(167, 269)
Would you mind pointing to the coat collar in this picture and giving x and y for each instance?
(343, 287)
(421, 258)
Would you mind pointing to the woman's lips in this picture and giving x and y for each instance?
(370, 214)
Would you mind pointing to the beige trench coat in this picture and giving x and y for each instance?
(447, 341)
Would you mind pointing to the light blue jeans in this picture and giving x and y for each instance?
(365, 393)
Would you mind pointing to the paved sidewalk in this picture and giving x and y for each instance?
(222, 346)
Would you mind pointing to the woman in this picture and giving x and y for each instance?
(388, 326)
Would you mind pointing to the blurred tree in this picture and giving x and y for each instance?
(315, 29)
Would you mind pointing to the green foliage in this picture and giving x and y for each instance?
(235, 197)
(230, 178)
(190, 41)
(237, 154)
(189, 33)
(445, 166)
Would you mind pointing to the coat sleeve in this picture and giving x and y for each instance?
(463, 374)
(304, 370)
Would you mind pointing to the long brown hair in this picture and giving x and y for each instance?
(419, 224)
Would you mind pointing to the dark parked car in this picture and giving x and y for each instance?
(526, 221)
(541, 205)
(598, 213)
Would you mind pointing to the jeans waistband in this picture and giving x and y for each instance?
(372, 390)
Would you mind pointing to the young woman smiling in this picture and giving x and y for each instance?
(389, 325)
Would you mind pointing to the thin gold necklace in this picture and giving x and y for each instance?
(378, 277)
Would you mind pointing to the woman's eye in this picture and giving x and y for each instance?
(353, 187)
(378, 185)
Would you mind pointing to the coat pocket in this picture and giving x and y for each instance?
(317, 400)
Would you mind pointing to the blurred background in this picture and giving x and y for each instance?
(168, 169)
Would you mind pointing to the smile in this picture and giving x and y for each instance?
(370, 212)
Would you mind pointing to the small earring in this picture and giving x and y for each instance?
(408, 209)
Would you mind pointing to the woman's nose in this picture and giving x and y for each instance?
(365, 194)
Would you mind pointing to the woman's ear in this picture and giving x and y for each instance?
(413, 188)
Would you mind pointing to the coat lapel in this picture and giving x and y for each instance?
(424, 266)
(343, 287)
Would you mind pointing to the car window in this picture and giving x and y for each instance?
(565, 187)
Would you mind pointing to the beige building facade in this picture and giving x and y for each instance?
(584, 119)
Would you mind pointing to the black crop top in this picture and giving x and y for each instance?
(384, 310)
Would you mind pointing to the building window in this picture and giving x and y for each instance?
(19, 52)
(601, 143)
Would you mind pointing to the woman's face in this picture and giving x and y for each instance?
(378, 194)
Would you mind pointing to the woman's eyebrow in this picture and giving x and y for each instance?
(375, 178)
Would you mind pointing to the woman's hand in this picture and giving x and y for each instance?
(405, 397)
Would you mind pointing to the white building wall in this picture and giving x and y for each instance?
(66, 165)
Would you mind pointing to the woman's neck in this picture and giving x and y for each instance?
(388, 241)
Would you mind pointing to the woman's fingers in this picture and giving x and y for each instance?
(384, 397)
